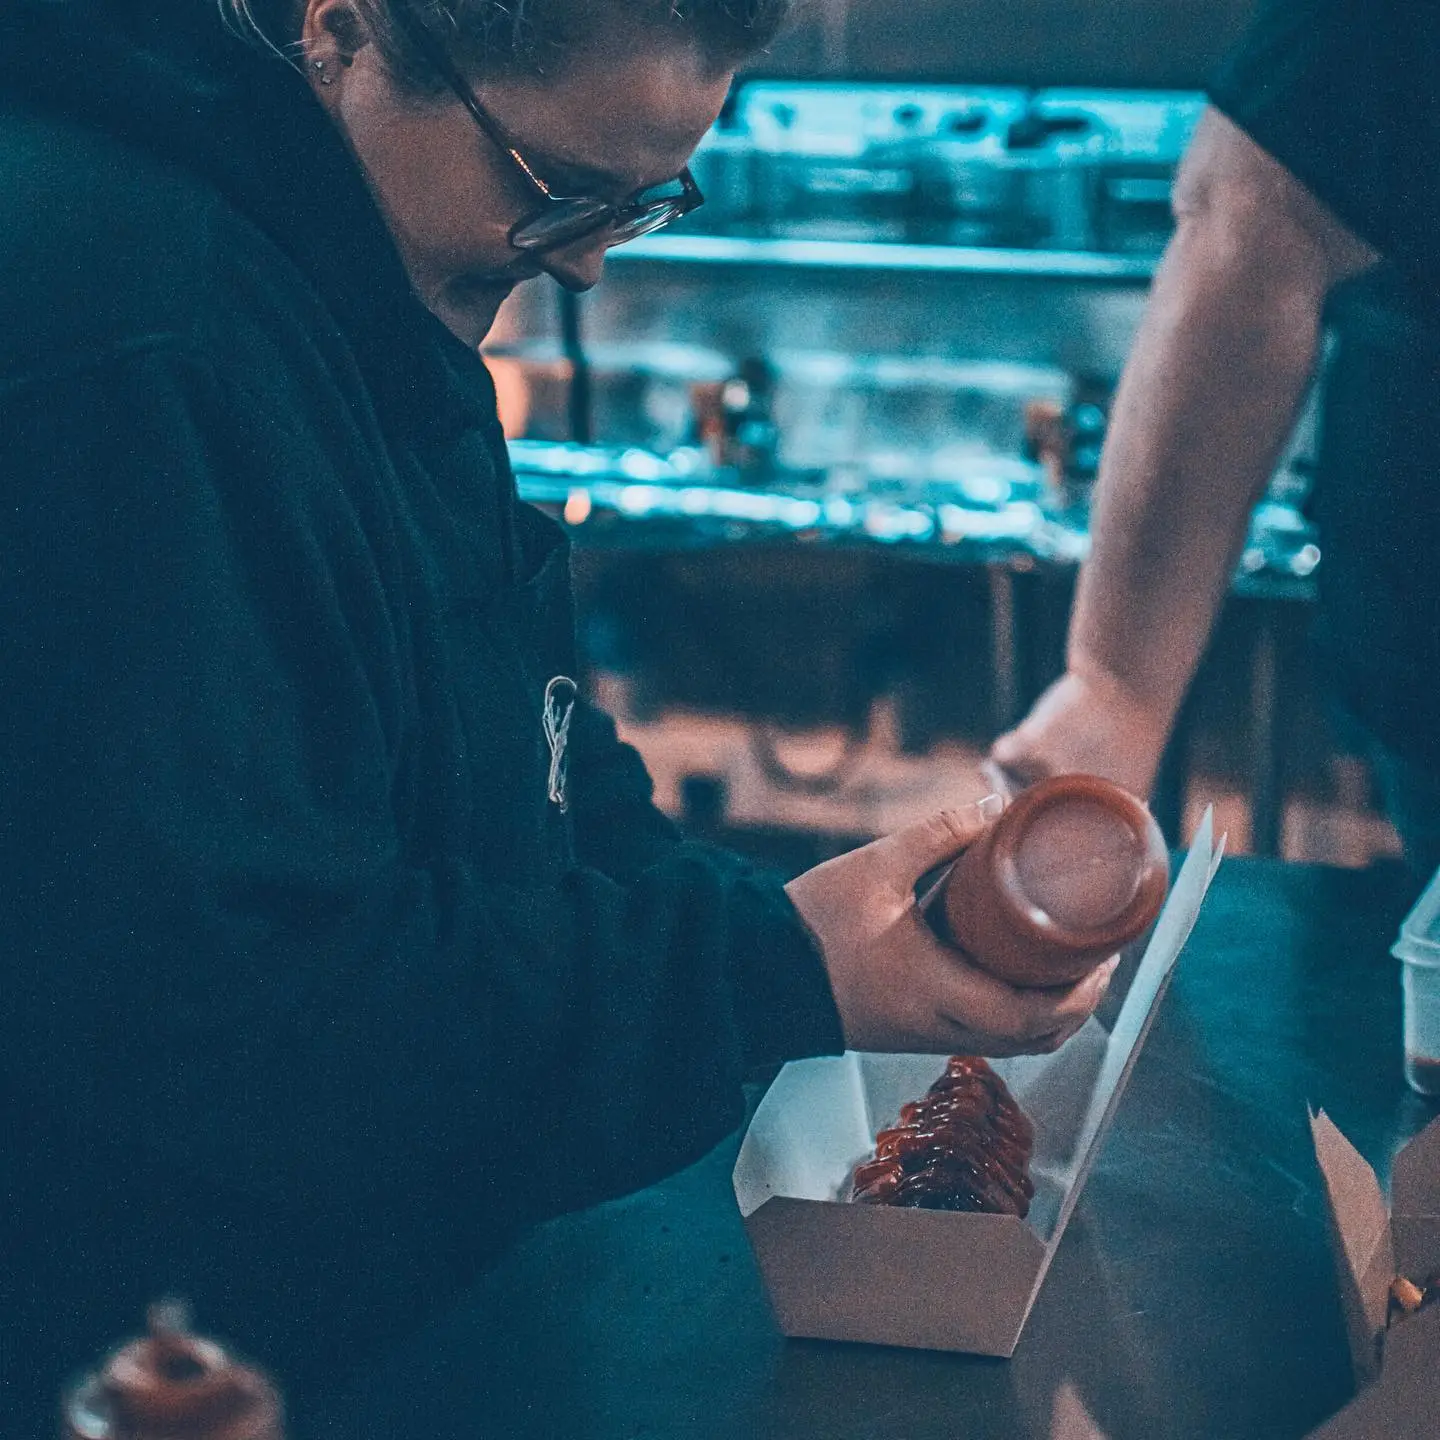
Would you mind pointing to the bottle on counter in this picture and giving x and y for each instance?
(171, 1384)
(1070, 873)
(735, 422)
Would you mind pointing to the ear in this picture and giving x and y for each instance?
(333, 31)
(345, 27)
(332, 34)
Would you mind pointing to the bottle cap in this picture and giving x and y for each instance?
(1072, 871)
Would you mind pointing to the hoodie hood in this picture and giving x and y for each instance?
(172, 80)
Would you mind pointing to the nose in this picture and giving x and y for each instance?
(577, 267)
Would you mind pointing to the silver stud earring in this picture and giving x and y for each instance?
(318, 66)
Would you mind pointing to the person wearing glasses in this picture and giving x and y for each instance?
(341, 938)
(1309, 201)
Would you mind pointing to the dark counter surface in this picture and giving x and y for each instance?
(1192, 1296)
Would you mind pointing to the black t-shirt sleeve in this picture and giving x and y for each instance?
(1346, 95)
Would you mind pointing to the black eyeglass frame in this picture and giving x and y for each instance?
(561, 219)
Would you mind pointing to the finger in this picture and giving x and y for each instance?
(1077, 1004)
(1049, 1044)
(999, 1047)
(976, 1000)
(937, 838)
(995, 1047)
(971, 998)
(1005, 1049)
(1069, 1009)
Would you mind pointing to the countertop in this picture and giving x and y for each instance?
(1192, 1296)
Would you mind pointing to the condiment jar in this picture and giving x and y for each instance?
(173, 1385)
(1070, 872)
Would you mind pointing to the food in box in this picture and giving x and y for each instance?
(841, 1271)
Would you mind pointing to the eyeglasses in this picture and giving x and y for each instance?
(561, 219)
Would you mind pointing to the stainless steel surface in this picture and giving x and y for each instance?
(1033, 42)
(987, 509)
(897, 362)
(1063, 169)
(980, 506)
(872, 255)
(917, 263)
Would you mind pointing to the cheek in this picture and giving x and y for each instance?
(437, 200)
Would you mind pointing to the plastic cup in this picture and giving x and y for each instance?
(1420, 987)
(1418, 950)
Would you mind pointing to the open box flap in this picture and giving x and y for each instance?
(1415, 1205)
(1137, 1015)
(1361, 1239)
(1401, 1404)
(808, 1132)
(1061, 1094)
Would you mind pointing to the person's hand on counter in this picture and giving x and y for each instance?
(897, 986)
(1085, 722)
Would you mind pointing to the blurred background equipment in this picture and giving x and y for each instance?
(826, 447)
(1152, 44)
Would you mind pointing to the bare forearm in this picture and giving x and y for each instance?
(1207, 402)
(1208, 399)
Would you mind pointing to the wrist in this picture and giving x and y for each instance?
(1145, 710)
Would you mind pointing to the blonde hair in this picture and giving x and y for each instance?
(495, 37)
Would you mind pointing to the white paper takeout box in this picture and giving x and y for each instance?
(1373, 1243)
(933, 1279)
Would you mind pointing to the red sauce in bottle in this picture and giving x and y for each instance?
(1072, 871)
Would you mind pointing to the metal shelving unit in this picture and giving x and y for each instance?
(887, 257)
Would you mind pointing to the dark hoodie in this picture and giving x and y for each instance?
(312, 995)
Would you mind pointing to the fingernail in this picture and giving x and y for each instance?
(990, 807)
(998, 774)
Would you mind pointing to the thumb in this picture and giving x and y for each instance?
(937, 838)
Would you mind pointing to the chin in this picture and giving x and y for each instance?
(468, 311)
